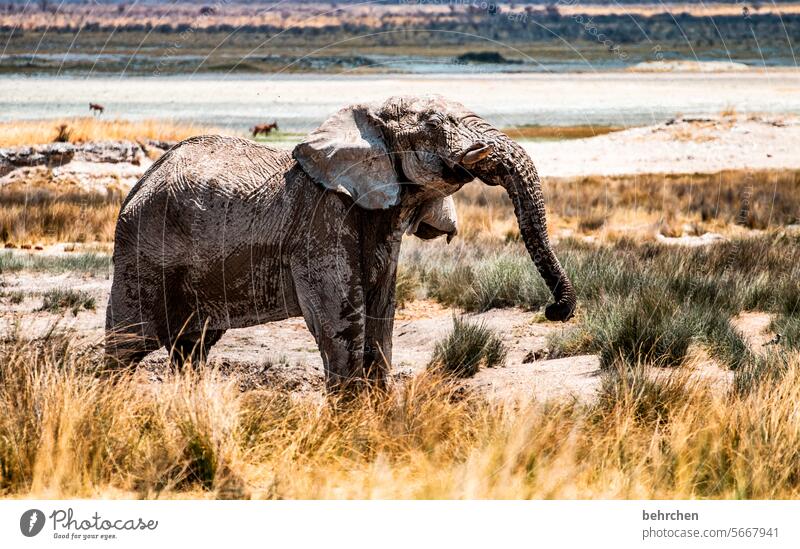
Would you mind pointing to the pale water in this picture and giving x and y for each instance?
(300, 102)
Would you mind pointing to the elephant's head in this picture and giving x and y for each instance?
(415, 152)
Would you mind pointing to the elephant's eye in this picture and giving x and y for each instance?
(434, 121)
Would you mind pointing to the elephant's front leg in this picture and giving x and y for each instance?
(380, 274)
(331, 299)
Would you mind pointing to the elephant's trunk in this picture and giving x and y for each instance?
(511, 167)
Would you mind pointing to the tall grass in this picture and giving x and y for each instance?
(81, 129)
(67, 430)
(757, 273)
(45, 213)
(706, 202)
(713, 202)
(639, 301)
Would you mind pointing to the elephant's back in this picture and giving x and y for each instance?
(211, 164)
(199, 190)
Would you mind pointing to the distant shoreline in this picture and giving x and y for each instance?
(144, 65)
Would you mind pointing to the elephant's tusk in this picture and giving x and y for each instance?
(476, 152)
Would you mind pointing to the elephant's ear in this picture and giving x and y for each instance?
(436, 217)
(347, 153)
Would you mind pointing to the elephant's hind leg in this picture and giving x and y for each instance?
(128, 337)
(192, 348)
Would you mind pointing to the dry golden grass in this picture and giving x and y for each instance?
(66, 431)
(642, 205)
(35, 132)
(559, 132)
(606, 207)
(45, 214)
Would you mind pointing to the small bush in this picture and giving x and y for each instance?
(63, 133)
(453, 286)
(723, 341)
(643, 329)
(503, 281)
(591, 222)
(15, 298)
(648, 335)
(789, 329)
(467, 347)
(59, 299)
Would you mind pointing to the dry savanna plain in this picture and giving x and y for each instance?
(679, 376)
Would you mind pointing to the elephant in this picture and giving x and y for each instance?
(224, 233)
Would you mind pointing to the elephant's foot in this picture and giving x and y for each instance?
(125, 350)
(192, 348)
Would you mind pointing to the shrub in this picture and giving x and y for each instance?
(501, 281)
(646, 331)
(641, 329)
(63, 133)
(453, 286)
(466, 348)
(591, 222)
(723, 341)
(15, 298)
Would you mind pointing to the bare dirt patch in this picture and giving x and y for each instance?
(754, 326)
(683, 145)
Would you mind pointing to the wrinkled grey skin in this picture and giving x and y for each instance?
(223, 233)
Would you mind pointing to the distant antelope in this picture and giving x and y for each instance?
(263, 128)
(95, 108)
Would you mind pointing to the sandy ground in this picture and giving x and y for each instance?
(283, 354)
(684, 145)
(755, 328)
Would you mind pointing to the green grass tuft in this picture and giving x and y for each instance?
(650, 398)
(467, 348)
(87, 263)
(58, 300)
